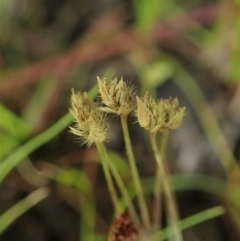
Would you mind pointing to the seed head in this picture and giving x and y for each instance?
(158, 116)
(123, 229)
(117, 96)
(90, 124)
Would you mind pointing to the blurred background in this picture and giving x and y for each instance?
(51, 188)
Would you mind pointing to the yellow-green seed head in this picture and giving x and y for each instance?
(91, 123)
(158, 116)
(117, 96)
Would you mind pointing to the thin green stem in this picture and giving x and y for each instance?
(157, 200)
(110, 184)
(135, 175)
(122, 189)
(165, 135)
(171, 206)
(157, 206)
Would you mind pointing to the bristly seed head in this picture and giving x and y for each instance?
(91, 124)
(158, 116)
(117, 96)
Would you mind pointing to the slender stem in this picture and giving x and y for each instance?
(111, 187)
(171, 207)
(135, 175)
(165, 135)
(157, 197)
(157, 186)
(122, 189)
(120, 184)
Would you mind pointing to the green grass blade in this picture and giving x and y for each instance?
(191, 221)
(13, 130)
(7, 218)
(23, 151)
(81, 182)
(13, 124)
(206, 117)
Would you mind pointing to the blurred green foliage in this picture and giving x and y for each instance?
(15, 130)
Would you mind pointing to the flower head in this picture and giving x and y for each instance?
(90, 122)
(158, 116)
(123, 228)
(117, 96)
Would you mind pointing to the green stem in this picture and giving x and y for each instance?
(157, 186)
(110, 184)
(122, 189)
(171, 205)
(135, 175)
